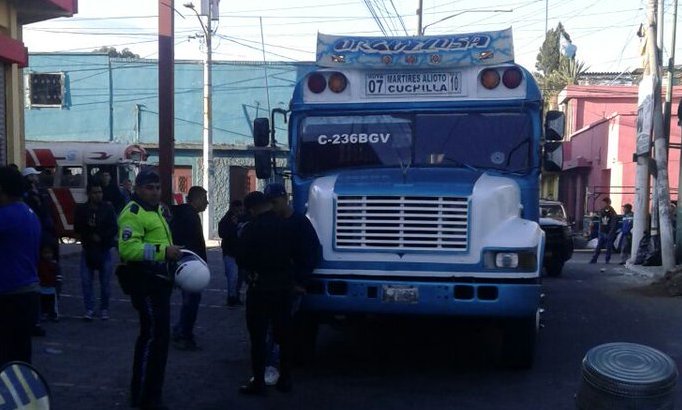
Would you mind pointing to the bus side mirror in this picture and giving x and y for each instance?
(554, 125)
(554, 157)
(261, 132)
(263, 164)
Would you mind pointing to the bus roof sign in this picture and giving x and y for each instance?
(457, 50)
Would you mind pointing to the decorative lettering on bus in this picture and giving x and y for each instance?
(359, 138)
(440, 83)
(412, 45)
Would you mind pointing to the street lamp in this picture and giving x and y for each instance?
(209, 171)
(459, 14)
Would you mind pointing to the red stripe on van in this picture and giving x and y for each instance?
(63, 210)
(45, 158)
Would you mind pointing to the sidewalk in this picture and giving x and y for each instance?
(652, 272)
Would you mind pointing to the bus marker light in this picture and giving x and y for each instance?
(512, 78)
(316, 83)
(486, 55)
(435, 58)
(337, 82)
(338, 58)
(490, 78)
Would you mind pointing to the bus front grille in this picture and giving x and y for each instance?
(402, 223)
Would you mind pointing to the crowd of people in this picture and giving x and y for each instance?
(266, 247)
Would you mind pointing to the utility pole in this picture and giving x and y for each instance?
(419, 17)
(208, 167)
(546, 15)
(166, 99)
(209, 171)
(643, 148)
(660, 146)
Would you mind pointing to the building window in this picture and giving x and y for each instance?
(45, 90)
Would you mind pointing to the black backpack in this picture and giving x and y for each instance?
(642, 249)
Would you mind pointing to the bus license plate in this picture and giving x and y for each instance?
(413, 83)
(400, 294)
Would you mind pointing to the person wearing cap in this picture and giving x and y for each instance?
(307, 259)
(625, 244)
(145, 245)
(608, 224)
(187, 232)
(266, 250)
(38, 200)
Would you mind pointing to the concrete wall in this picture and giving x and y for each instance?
(117, 99)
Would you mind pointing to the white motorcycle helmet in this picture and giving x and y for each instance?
(192, 273)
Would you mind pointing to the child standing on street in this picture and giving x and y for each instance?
(50, 278)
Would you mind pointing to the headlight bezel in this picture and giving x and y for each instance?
(517, 260)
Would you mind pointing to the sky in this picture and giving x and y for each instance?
(604, 31)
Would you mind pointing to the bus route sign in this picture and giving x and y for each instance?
(413, 83)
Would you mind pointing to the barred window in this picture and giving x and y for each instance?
(45, 90)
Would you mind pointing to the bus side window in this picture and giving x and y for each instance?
(72, 177)
(46, 177)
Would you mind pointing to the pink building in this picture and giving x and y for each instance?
(600, 143)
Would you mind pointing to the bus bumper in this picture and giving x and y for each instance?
(508, 298)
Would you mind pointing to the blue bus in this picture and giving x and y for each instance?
(417, 160)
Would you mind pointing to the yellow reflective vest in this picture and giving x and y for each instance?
(143, 234)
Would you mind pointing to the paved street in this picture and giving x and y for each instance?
(374, 364)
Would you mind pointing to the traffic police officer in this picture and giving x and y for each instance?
(145, 244)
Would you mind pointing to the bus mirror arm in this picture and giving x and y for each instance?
(284, 113)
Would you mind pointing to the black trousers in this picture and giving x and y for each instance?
(17, 313)
(262, 310)
(151, 347)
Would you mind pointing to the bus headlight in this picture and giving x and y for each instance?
(507, 260)
(522, 260)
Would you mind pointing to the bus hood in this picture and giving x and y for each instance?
(456, 182)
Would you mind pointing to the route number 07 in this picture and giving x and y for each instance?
(375, 86)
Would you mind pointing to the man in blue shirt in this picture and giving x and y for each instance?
(19, 244)
(626, 234)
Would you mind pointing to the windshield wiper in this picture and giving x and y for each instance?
(462, 164)
(517, 146)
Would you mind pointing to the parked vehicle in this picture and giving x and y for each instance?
(417, 161)
(66, 167)
(558, 236)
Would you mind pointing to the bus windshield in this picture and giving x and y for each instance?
(499, 141)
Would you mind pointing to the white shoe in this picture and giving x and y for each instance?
(271, 375)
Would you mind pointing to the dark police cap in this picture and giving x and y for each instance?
(274, 190)
(254, 199)
(147, 176)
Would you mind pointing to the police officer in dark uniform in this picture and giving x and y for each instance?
(266, 250)
(145, 245)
